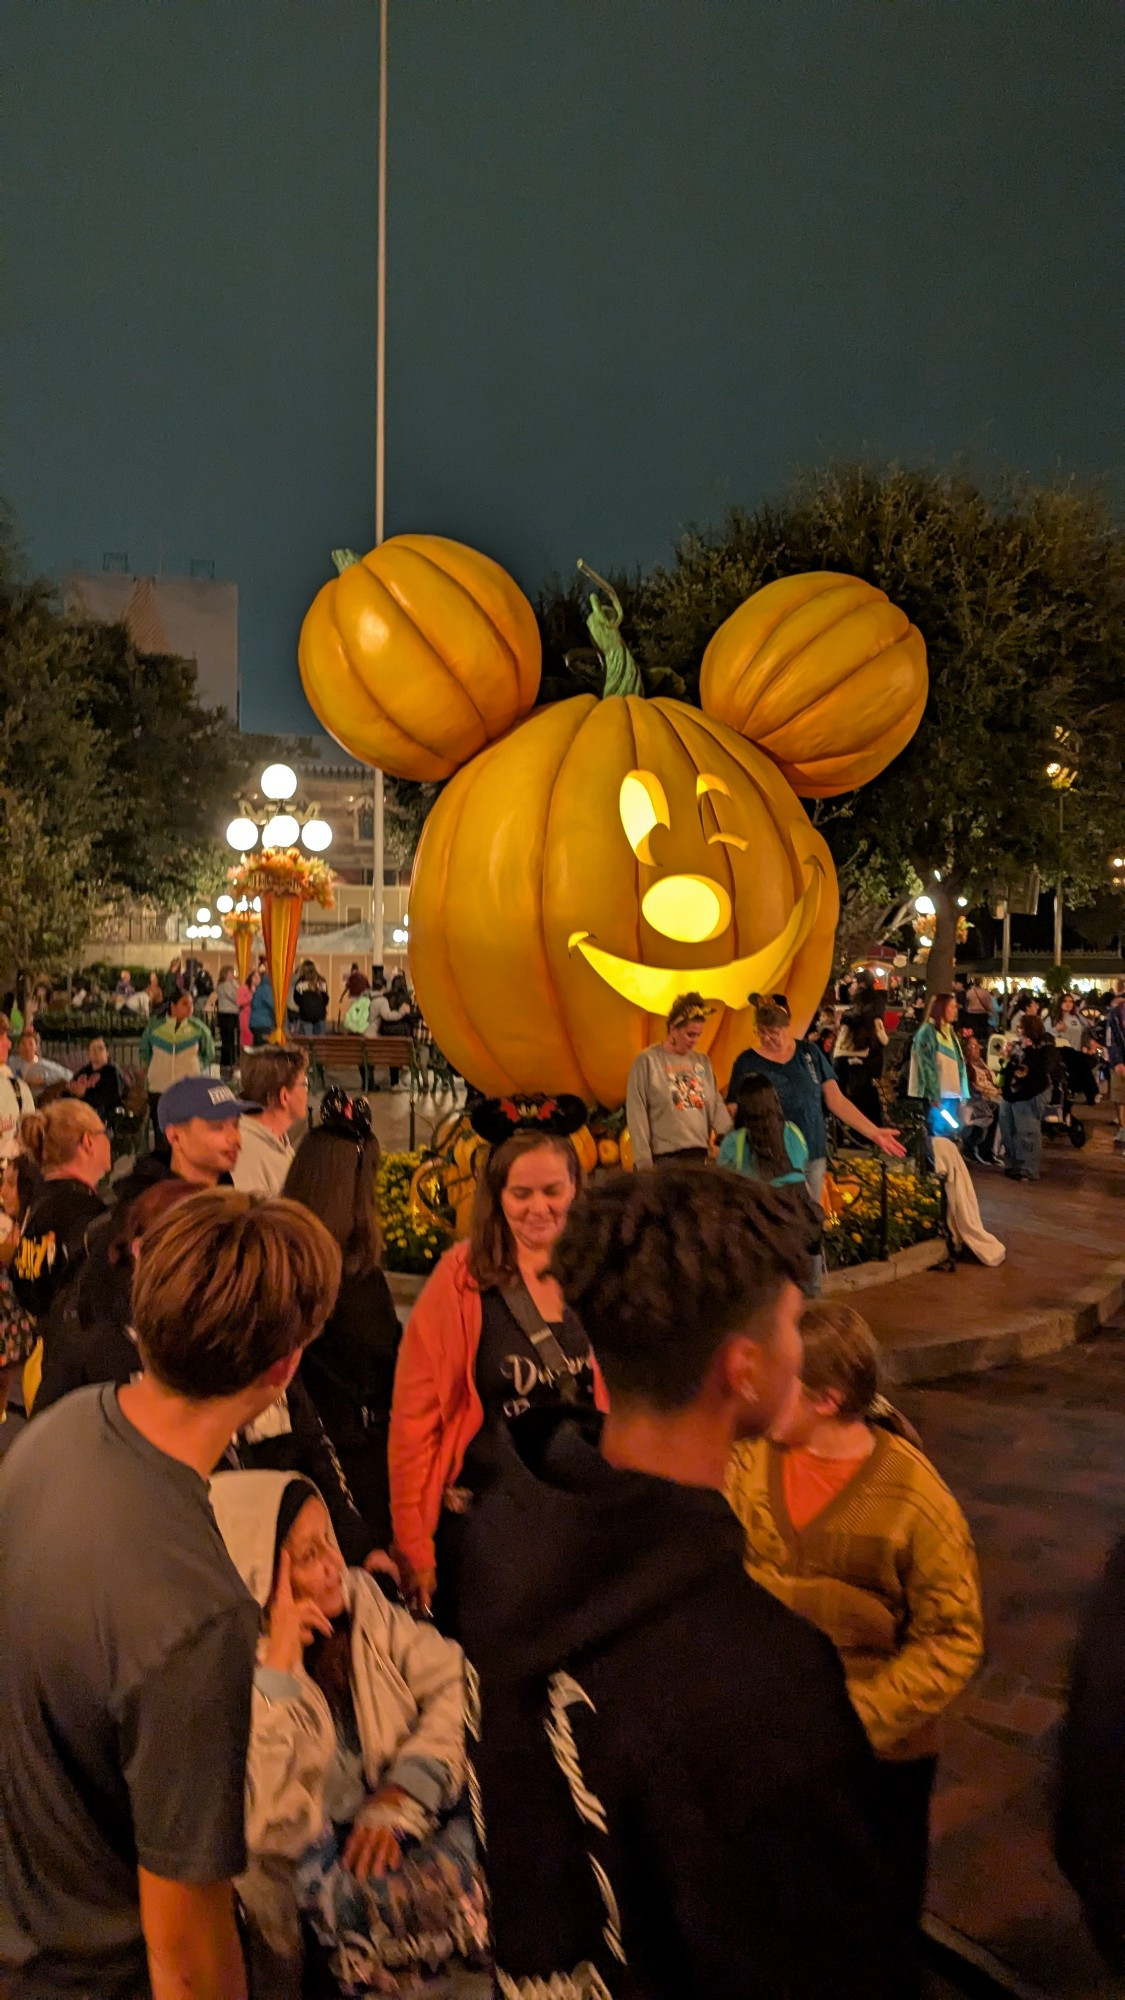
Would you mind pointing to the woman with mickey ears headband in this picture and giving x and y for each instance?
(489, 1338)
(349, 1371)
(673, 1103)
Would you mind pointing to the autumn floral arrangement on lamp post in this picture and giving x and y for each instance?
(285, 880)
(240, 925)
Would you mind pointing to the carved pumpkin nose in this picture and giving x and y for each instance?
(693, 909)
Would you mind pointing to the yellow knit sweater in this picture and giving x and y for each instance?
(887, 1570)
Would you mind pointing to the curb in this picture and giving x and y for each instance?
(1019, 1339)
(904, 1264)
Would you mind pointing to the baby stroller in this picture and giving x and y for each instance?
(1060, 1116)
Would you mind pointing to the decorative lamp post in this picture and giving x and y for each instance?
(277, 880)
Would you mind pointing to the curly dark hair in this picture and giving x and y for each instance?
(663, 1267)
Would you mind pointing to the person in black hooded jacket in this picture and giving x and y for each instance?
(1090, 1804)
(677, 1796)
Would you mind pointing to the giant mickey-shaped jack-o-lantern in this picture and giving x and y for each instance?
(596, 857)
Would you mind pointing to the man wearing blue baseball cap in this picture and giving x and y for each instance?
(199, 1119)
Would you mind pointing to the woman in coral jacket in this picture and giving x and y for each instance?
(489, 1338)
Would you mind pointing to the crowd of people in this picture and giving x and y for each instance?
(595, 1628)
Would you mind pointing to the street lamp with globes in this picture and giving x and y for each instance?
(261, 817)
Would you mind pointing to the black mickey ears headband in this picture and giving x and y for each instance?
(498, 1118)
(346, 1117)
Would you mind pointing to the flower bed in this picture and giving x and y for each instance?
(408, 1244)
(857, 1236)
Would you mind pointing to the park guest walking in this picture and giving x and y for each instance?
(673, 1103)
(802, 1076)
(490, 1338)
(851, 1526)
(15, 1097)
(937, 1067)
(274, 1083)
(227, 1008)
(1025, 1095)
(127, 1659)
(175, 1047)
(354, 1818)
(672, 1776)
(350, 1372)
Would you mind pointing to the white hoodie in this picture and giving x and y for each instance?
(408, 1695)
(15, 1102)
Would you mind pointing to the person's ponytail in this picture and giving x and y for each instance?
(33, 1136)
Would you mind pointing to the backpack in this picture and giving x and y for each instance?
(358, 1015)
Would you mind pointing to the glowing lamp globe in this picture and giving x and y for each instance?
(316, 835)
(278, 782)
(203, 915)
(224, 905)
(280, 831)
(242, 835)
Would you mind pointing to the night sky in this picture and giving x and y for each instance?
(647, 257)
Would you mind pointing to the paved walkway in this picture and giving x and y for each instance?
(1065, 1236)
(1036, 1454)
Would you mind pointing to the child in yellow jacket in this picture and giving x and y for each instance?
(851, 1526)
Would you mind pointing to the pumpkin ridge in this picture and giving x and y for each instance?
(783, 666)
(423, 555)
(560, 1008)
(830, 695)
(471, 1031)
(428, 642)
(378, 586)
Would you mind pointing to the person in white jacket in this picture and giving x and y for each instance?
(357, 1759)
(15, 1097)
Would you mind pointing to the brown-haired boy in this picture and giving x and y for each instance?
(127, 1639)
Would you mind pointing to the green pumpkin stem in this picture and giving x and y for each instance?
(345, 559)
(622, 674)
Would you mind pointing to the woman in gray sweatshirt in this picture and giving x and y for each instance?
(673, 1103)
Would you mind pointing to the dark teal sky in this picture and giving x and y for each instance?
(646, 258)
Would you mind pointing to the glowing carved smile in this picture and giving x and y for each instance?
(654, 987)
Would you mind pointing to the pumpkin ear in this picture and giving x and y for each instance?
(419, 654)
(824, 674)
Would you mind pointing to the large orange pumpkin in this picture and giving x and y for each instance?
(582, 869)
(417, 656)
(824, 674)
(551, 929)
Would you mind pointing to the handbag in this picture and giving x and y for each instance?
(18, 1331)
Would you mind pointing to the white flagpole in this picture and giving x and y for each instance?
(377, 843)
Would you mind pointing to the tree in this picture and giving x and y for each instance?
(111, 775)
(1018, 592)
(169, 767)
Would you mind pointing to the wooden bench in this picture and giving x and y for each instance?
(365, 1053)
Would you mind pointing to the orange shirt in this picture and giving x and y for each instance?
(809, 1482)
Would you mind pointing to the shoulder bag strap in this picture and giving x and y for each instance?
(530, 1320)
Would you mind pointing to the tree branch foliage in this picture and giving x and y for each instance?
(112, 776)
(1019, 592)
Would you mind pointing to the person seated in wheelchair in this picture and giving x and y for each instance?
(357, 1763)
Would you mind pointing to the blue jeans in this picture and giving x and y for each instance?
(1021, 1130)
(308, 1027)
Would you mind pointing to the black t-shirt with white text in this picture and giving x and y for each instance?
(127, 1645)
(511, 1377)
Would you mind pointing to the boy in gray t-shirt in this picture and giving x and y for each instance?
(127, 1638)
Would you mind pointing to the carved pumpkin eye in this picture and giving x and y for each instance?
(705, 784)
(643, 805)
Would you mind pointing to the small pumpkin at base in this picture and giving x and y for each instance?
(609, 1153)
